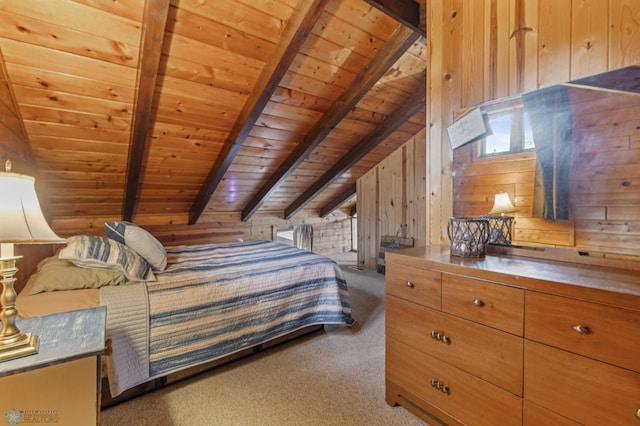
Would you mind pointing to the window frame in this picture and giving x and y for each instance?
(517, 137)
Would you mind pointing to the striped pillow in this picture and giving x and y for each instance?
(98, 252)
(139, 240)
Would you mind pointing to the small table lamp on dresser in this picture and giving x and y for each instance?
(21, 222)
(500, 227)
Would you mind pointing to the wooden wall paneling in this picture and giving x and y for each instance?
(589, 46)
(518, 35)
(555, 50)
(476, 183)
(14, 144)
(394, 192)
(368, 224)
(473, 53)
(504, 55)
(9, 113)
(542, 232)
(554, 44)
(332, 236)
(453, 72)
(606, 204)
(224, 227)
(624, 34)
(531, 36)
(10, 120)
(390, 188)
(436, 210)
(416, 189)
(489, 35)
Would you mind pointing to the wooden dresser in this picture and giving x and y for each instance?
(511, 340)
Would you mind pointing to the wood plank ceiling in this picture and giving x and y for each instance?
(187, 107)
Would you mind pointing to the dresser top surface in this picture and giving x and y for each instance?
(592, 282)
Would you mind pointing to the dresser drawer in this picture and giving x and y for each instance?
(491, 304)
(471, 400)
(535, 415)
(490, 354)
(588, 391)
(413, 283)
(598, 331)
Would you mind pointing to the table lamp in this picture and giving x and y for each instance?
(500, 226)
(21, 222)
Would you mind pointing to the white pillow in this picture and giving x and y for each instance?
(139, 240)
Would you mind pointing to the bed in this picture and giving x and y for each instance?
(206, 302)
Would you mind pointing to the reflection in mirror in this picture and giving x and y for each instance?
(510, 132)
(549, 111)
(586, 133)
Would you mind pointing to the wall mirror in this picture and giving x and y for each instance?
(569, 158)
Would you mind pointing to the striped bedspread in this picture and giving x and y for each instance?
(216, 299)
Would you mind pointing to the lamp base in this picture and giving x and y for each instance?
(19, 346)
(13, 342)
(500, 229)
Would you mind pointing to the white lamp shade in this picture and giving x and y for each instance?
(502, 204)
(21, 219)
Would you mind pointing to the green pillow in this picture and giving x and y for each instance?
(59, 274)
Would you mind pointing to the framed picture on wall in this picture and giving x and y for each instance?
(470, 127)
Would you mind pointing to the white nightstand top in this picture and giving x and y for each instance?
(63, 337)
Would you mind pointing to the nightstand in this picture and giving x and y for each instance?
(61, 383)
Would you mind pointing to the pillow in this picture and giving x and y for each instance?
(139, 240)
(99, 252)
(55, 274)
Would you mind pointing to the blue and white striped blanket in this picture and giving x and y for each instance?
(217, 299)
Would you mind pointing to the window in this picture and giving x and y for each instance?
(511, 133)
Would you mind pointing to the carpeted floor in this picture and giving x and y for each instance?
(333, 377)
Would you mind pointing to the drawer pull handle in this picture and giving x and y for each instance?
(478, 302)
(638, 414)
(410, 284)
(441, 337)
(582, 329)
(440, 386)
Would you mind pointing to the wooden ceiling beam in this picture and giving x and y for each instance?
(154, 24)
(407, 12)
(408, 108)
(389, 53)
(338, 200)
(295, 34)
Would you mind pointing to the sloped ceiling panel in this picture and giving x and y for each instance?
(76, 69)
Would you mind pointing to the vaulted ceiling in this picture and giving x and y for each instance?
(184, 107)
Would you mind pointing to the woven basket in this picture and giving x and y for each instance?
(468, 236)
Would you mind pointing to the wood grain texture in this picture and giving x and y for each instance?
(103, 125)
(560, 42)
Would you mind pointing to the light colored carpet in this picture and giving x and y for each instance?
(333, 377)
